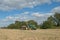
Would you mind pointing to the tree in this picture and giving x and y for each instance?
(57, 17)
(51, 21)
(18, 24)
(46, 25)
(12, 26)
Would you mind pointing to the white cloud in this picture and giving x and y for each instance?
(37, 14)
(18, 4)
(9, 17)
(40, 17)
(56, 9)
(56, 0)
(41, 14)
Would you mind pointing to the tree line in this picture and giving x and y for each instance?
(52, 22)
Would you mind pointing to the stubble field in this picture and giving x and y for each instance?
(42, 34)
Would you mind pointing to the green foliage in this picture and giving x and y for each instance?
(11, 26)
(18, 25)
(57, 16)
(46, 25)
(51, 22)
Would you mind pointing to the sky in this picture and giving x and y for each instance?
(24, 10)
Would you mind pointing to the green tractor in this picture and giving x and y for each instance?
(32, 27)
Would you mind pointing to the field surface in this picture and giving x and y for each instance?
(42, 34)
